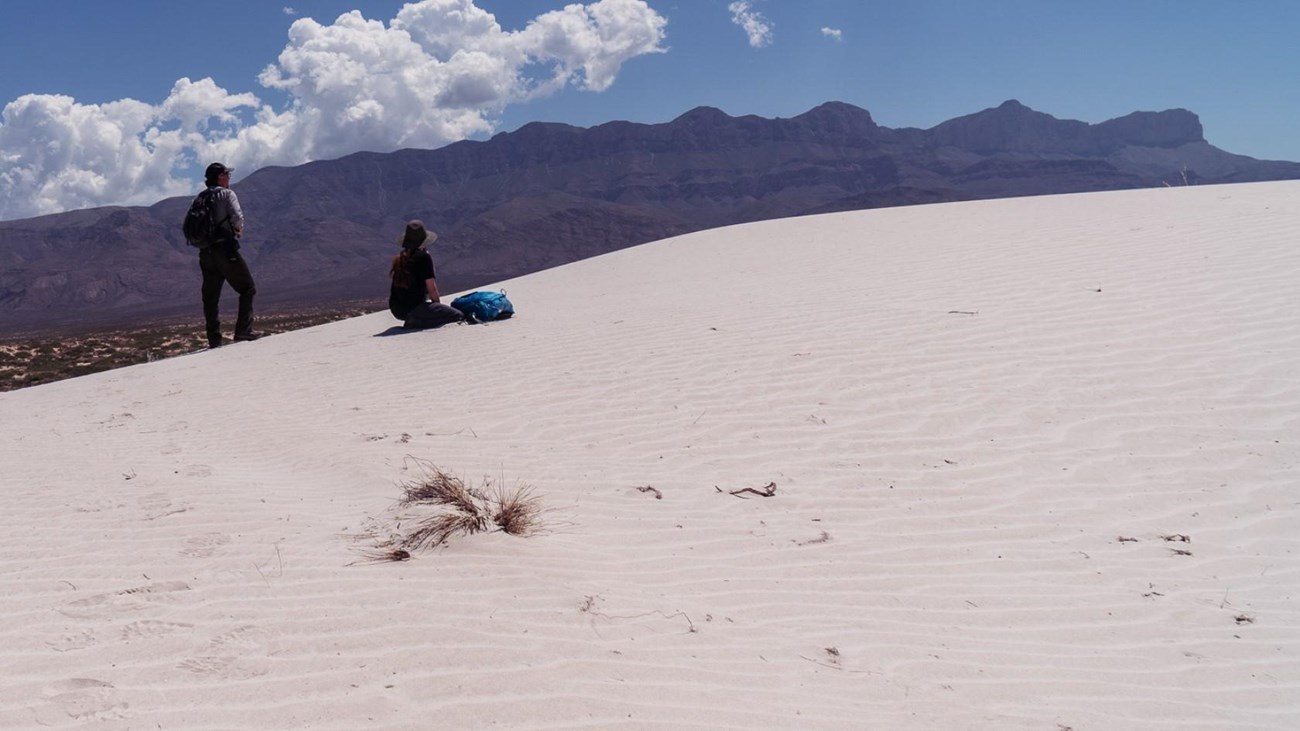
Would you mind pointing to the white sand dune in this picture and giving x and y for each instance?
(989, 424)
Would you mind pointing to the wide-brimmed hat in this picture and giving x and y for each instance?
(416, 235)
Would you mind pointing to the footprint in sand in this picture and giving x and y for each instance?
(238, 654)
(204, 545)
(67, 643)
(206, 664)
(80, 698)
(241, 640)
(148, 628)
(159, 504)
(198, 470)
(104, 606)
(118, 420)
(155, 501)
(97, 506)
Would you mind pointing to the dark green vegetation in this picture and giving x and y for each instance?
(31, 361)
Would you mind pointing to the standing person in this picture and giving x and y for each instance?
(221, 262)
(413, 297)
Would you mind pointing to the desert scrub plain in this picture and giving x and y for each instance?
(33, 360)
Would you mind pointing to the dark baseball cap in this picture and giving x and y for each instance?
(215, 170)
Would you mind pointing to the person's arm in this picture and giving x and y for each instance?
(236, 214)
(424, 270)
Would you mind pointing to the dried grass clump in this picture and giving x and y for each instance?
(517, 512)
(440, 506)
(435, 530)
(440, 488)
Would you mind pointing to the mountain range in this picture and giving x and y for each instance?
(547, 194)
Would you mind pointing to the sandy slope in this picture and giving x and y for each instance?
(985, 423)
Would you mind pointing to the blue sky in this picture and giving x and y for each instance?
(93, 113)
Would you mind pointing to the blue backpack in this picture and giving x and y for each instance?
(484, 306)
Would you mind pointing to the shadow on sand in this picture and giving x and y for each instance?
(396, 330)
(402, 330)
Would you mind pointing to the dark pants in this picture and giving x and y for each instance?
(428, 315)
(221, 265)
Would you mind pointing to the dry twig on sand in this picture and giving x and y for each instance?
(767, 490)
(383, 556)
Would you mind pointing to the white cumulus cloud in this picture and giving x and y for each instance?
(756, 27)
(56, 154)
(440, 71)
(833, 33)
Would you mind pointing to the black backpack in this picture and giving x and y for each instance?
(201, 227)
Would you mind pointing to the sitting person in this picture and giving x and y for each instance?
(413, 297)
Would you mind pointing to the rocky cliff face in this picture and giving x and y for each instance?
(548, 194)
(1168, 129)
(1013, 127)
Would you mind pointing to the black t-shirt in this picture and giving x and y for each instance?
(401, 300)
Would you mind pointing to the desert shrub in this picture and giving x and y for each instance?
(516, 511)
(440, 488)
(439, 506)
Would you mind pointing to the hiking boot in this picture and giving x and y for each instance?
(245, 337)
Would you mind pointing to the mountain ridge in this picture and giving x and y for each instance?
(549, 193)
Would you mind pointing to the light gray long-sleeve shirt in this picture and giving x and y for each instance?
(227, 206)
